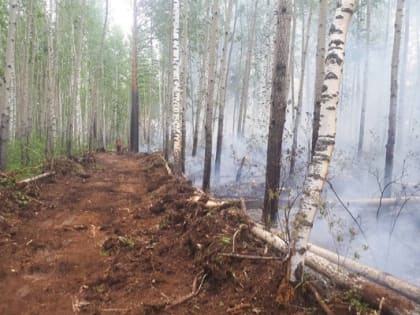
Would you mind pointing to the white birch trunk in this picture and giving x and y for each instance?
(51, 104)
(9, 101)
(176, 91)
(318, 168)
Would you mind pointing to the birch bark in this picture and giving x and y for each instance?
(318, 168)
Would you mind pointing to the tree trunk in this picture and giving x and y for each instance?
(318, 168)
(224, 71)
(392, 117)
(210, 96)
(403, 104)
(279, 94)
(134, 118)
(176, 91)
(365, 83)
(247, 73)
(320, 69)
(9, 101)
(305, 44)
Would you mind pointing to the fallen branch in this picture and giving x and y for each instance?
(251, 257)
(194, 292)
(235, 235)
(374, 202)
(319, 299)
(400, 286)
(32, 179)
(237, 308)
(395, 303)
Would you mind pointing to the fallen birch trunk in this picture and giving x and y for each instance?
(32, 179)
(375, 202)
(394, 303)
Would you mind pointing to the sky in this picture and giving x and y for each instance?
(120, 13)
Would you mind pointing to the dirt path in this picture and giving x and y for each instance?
(122, 237)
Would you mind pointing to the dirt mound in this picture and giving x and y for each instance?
(128, 238)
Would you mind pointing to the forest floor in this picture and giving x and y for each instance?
(117, 234)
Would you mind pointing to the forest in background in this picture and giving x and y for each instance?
(73, 87)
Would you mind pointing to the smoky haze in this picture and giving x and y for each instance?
(389, 232)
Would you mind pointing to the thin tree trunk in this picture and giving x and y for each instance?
(320, 69)
(278, 106)
(318, 168)
(365, 83)
(392, 121)
(210, 96)
(224, 71)
(9, 81)
(134, 118)
(176, 91)
(305, 44)
(247, 73)
(403, 104)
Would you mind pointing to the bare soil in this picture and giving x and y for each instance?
(115, 234)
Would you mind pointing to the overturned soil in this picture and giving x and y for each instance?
(117, 234)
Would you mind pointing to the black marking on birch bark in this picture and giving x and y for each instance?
(331, 76)
(324, 88)
(334, 58)
(334, 30)
(301, 251)
(337, 42)
(339, 17)
(347, 10)
(331, 108)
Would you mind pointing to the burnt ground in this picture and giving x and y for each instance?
(116, 234)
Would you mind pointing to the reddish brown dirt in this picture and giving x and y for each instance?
(120, 236)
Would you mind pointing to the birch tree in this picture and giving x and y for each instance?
(176, 91)
(278, 105)
(210, 95)
(224, 66)
(318, 167)
(298, 117)
(392, 117)
(365, 82)
(320, 69)
(245, 88)
(134, 119)
(9, 82)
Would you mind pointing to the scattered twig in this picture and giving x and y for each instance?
(194, 292)
(28, 180)
(241, 227)
(319, 299)
(237, 308)
(106, 310)
(252, 257)
(381, 305)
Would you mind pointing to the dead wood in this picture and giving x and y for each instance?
(252, 257)
(34, 178)
(395, 303)
(195, 290)
(319, 299)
